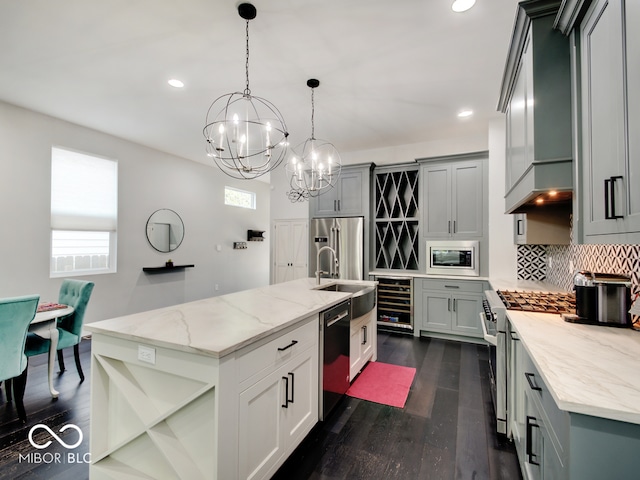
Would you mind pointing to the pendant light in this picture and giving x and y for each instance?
(246, 135)
(314, 166)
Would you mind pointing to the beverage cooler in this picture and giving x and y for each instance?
(395, 304)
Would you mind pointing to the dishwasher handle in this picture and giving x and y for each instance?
(337, 318)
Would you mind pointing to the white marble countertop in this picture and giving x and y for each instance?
(220, 325)
(382, 273)
(589, 369)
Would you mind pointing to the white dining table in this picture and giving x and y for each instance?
(44, 324)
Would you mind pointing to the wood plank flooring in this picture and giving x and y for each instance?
(71, 407)
(445, 431)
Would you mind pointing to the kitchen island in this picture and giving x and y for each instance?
(219, 388)
(575, 395)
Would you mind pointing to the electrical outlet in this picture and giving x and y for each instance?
(147, 354)
(239, 245)
(216, 287)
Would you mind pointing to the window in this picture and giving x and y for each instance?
(84, 206)
(239, 198)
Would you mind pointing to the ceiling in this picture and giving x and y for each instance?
(391, 73)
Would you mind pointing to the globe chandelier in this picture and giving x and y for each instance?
(314, 166)
(246, 135)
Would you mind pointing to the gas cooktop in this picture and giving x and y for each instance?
(544, 302)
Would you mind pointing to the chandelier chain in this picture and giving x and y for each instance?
(247, 91)
(313, 126)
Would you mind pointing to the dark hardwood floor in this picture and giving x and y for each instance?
(18, 457)
(445, 431)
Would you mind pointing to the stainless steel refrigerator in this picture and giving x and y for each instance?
(346, 236)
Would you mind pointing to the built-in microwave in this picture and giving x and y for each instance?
(453, 257)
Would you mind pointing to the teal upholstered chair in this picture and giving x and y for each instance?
(15, 316)
(75, 293)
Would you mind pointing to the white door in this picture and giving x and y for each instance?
(291, 246)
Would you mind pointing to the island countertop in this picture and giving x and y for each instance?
(218, 326)
(589, 369)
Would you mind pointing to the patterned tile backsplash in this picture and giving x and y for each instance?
(557, 263)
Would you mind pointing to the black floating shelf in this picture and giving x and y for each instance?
(164, 269)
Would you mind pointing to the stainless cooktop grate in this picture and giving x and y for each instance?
(545, 302)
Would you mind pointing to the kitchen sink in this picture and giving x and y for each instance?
(363, 299)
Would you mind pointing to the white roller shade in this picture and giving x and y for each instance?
(83, 192)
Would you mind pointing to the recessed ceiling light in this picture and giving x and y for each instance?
(465, 113)
(175, 83)
(462, 5)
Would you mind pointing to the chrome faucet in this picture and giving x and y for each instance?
(335, 259)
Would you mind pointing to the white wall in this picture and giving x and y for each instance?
(148, 180)
(502, 251)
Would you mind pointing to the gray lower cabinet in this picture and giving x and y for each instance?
(448, 307)
(609, 73)
(554, 444)
(453, 199)
(350, 196)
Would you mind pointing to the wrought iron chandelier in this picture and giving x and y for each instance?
(314, 166)
(246, 135)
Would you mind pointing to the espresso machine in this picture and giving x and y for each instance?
(602, 299)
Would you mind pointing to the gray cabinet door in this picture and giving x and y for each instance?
(350, 200)
(436, 311)
(467, 200)
(465, 310)
(610, 71)
(453, 200)
(347, 198)
(436, 188)
(603, 112)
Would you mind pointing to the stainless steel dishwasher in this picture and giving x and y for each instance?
(334, 361)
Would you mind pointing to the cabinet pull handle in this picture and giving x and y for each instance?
(451, 286)
(286, 392)
(532, 385)
(335, 208)
(529, 443)
(293, 387)
(513, 337)
(520, 227)
(282, 349)
(449, 226)
(338, 205)
(364, 341)
(610, 198)
(454, 226)
(449, 304)
(454, 304)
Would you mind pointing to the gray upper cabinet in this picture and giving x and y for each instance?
(609, 72)
(536, 98)
(453, 199)
(350, 196)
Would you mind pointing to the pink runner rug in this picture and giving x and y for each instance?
(383, 383)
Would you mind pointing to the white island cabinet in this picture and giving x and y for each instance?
(221, 388)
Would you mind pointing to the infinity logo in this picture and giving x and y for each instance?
(58, 439)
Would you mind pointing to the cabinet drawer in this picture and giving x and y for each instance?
(556, 419)
(277, 351)
(453, 286)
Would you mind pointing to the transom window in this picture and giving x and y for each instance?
(239, 198)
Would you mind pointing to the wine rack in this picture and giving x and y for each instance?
(396, 220)
(395, 303)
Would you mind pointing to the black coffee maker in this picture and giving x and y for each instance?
(602, 298)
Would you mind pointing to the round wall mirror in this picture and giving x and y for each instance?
(165, 230)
